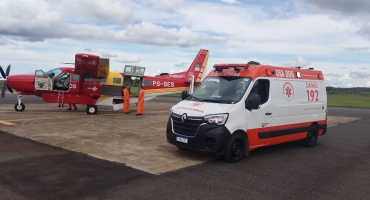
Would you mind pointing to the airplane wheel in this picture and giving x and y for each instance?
(19, 107)
(91, 109)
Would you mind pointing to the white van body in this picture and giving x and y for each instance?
(288, 104)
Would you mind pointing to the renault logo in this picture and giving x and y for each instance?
(183, 118)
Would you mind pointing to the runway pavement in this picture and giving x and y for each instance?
(337, 168)
(12, 99)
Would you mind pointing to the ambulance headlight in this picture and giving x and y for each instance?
(219, 119)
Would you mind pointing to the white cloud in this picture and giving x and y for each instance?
(183, 64)
(130, 59)
(168, 4)
(176, 71)
(147, 73)
(357, 48)
(106, 54)
(329, 75)
(148, 33)
(77, 20)
(230, 1)
(299, 62)
(165, 35)
(359, 75)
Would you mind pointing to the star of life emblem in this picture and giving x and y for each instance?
(288, 91)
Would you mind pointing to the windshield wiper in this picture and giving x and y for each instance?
(211, 100)
(196, 98)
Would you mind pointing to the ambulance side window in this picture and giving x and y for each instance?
(261, 87)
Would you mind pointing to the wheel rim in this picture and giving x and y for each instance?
(236, 149)
(91, 109)
(312, 137)
(19, 107)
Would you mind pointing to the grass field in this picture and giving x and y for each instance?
(359, 100)
(178, 95)
(337, 99)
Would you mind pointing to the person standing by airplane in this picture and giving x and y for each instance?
(70, 106)
(126, 100)
(140, 102)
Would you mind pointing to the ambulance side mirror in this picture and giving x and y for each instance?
(184, 94)
(253, 102)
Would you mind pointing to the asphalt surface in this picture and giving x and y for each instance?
(12, 99)
(338, 167)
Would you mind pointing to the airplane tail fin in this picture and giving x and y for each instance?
(198, 66)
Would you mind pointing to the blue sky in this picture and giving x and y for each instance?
(161, 35)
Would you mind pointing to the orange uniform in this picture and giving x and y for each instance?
(126, 101)
(140, 103)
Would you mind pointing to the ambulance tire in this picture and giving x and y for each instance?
(181, 148)
(19, 107)
(234, 151)
(311, 137)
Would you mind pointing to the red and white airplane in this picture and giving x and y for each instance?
(91, 83)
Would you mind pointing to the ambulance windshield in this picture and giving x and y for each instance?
(221, 89)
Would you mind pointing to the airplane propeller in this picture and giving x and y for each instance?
(5, 86)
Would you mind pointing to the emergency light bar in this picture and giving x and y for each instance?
(220, 67)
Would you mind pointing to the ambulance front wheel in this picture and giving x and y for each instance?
(311, 137)
(234, 148)
(19, 107)
(91, 109)
(181, 148)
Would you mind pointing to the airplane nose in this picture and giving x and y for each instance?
(21, 82)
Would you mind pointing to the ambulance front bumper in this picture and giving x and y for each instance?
(209, 138)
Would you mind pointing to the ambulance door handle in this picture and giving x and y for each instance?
(268, 113)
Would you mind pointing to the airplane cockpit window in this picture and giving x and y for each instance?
(147, 83)
(53, 73)
(117, 80)
(76, 77)
(88, 78)
(102, 80)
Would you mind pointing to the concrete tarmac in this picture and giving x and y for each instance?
(338, 167)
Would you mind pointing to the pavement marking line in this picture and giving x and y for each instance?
(6, 123)
(26, 119)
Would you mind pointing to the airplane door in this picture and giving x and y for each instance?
(131, 73)
(42, 81)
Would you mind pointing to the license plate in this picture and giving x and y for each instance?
(182, 139)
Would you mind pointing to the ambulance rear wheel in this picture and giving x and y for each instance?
(19, 107)
(234, 148)
(91, 109)
(311, 137)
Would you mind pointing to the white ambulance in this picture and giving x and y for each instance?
(241, 107)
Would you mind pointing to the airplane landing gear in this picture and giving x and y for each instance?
(19, 107)
(91, 109)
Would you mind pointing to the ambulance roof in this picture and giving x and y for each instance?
(254, 70)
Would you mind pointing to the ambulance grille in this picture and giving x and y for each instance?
(187, 128)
